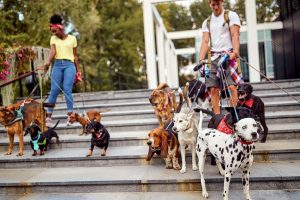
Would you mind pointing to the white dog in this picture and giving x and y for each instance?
(234, 151)
(185, 124)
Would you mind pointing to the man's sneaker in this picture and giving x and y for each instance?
(49, 122)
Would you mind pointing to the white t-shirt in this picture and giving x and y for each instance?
(220, 35)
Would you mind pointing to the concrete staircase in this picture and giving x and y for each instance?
(65, 173)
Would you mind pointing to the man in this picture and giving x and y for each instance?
(221, 36)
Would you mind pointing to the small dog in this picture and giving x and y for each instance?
(84, 120)
(233, 151)
(39, 140)
(163, 101)
(165, 145)
(100, 137)
(254, 103)
(185, 125)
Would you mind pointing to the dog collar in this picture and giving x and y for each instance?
(244, 142)
(248, 103)
(225, 128)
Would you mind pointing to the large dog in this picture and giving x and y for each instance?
(163, 101)
(39, 140)
(198, 93)
(85, 119)
(233, 151)
(248, 100)
(100, 137)
(18, 117)
(185, 125)
(165, 145)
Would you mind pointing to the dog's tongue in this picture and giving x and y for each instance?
(242, 96)
(98, 135)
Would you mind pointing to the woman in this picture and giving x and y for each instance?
(65, 68)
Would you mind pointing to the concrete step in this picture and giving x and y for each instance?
(131, 155)
(145, 105)
(69, 138)
(282, 175)
(90, 99)
(192, 195)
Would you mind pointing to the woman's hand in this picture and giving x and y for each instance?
(44, 67)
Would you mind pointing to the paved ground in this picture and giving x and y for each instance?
(234, 195)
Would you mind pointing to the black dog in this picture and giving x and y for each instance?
(40, 140)
(100, 137)
(255, 104)
(198, 93)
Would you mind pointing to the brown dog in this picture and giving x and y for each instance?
(165, 145)
(11, 118)
(164, 103)
(84, 120)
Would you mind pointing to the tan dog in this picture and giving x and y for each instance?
(9, 117)
(164, 103)
(91, 115)
(164, 145)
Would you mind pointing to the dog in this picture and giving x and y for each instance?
(233, 151)
(40, 140)
(163, 101)
(224, 122)
(17, 117)
(185, 125)
(100, 137)
(248, 100)
(85, 119)
(165, 145)
(198, 93)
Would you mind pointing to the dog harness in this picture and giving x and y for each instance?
(225, 128)
(36, 141)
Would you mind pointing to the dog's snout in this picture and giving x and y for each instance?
(149, 142)
(254, 135)
(150, 99)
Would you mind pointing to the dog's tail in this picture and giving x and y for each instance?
(180, 101)
(186, 95)
(52, 128)
(198, 109)
(200, 121)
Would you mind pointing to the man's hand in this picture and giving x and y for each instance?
(232, 55)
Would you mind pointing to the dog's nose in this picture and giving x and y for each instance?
(254, 135)
(150, 99)
(149, 142)
(174, 129)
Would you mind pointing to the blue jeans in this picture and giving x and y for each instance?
(63, 76)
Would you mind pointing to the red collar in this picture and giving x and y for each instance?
(248, 103)
(223, 127)
(244, 142)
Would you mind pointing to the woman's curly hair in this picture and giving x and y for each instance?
(56, 19)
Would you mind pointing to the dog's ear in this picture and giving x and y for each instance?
(234, 127)
(164, 144)
(150, 154)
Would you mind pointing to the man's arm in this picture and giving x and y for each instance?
(235, 38)
(204, 45)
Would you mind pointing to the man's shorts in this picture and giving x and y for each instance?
(219, 82)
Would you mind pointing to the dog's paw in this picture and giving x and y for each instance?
(8, 153)
(183, 170)
(103, 154)
(195, 167)
(20, 154)
(205, 194)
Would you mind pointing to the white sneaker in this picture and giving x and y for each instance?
(49, 122)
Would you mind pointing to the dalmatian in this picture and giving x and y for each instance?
(185, 125)
(234, 151)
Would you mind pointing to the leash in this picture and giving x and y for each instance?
(244, 60)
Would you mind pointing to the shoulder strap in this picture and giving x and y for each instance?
(226, 17)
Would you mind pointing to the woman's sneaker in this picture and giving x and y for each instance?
(49, 122)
